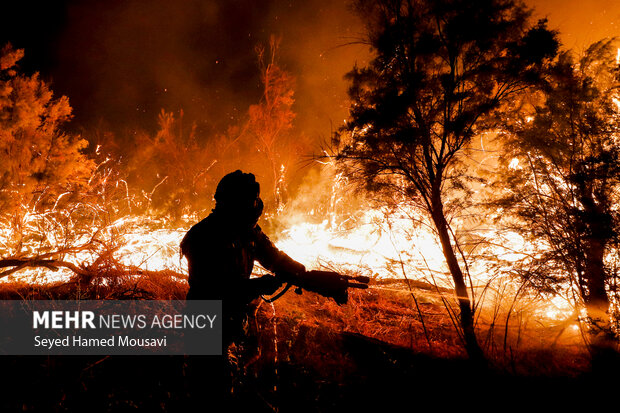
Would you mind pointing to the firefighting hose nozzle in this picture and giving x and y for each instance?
(326, 283)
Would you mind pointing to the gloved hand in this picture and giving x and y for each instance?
(268, 284)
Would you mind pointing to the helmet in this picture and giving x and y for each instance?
(237, 187)
(239, 193)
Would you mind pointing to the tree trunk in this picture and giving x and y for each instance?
(597, 301)
(603, 345)
(596, 223)
(466, 313)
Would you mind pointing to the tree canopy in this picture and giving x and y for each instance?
(441, 69)
(561, 171)
(38, 161)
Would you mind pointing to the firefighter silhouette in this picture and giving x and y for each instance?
(221, 250)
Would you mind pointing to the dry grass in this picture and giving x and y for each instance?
(385, 312)
(311, 353)
(389, 315)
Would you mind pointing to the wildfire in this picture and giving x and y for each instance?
(153, 249)
(365, 245)
(395, 243)
(139, 242)
(377, 242)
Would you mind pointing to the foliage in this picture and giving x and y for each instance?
(59, 208)
(270, 125)
(176, 169)
(561, 168)
(441, 69)
(38, 162)
(171, 168)
(440, 72)
(43, 171)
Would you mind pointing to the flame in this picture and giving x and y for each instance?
(152, 249)
(398, 243)
(372, 249)
(365, 245)
(373, 241)
(143, 243)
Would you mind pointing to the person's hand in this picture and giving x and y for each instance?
(269, 284)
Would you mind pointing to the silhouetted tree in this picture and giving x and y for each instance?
(37, 160)
(441, 69)
(41, 167)
(561, 169)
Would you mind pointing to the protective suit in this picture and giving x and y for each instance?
(221, 250)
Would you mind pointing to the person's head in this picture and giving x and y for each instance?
(238, 195)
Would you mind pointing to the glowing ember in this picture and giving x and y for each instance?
(153, 250)
(141, 244)
(377, 242)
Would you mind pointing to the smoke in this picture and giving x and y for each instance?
(132, 58)
(122, 61)
(580, 23)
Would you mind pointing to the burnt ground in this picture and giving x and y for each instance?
(311, 355)
(317, 371)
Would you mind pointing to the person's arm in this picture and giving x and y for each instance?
(273, 259)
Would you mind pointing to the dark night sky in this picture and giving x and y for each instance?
(121, 61)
